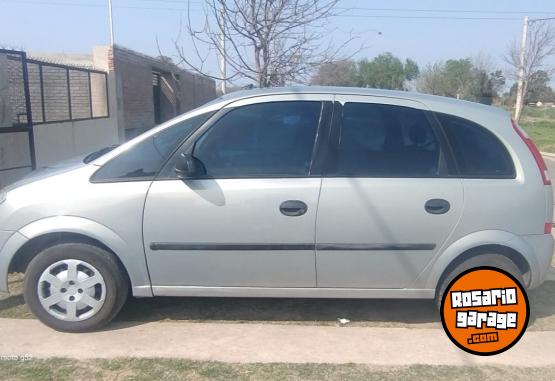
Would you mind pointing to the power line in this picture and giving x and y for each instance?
(430, 17)
(346, 15)
(430, 10)
(439, 10)
(90, 5)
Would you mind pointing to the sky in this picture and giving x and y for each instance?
(423, 30)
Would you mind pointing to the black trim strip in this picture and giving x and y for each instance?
(172, 246)
(374, 246)
(229, 246)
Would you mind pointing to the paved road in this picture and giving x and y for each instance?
(251, 343)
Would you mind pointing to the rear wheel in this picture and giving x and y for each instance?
(75, 287)
(497, 261)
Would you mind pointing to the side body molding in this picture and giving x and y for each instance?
(132, 258)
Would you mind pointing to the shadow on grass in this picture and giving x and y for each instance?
(395, 312)
(11, 301)
(542, 306)
(309, 311)
(361, 312)
(15, 297)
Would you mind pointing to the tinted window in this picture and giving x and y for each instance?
(143, 160)
(266, 139)
(386, 141)
(477, 151)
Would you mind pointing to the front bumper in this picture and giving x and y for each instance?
(10, 242)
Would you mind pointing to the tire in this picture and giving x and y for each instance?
(493, 260)
(82, 287)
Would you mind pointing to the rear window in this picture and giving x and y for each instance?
(477, 151)
(380, 140)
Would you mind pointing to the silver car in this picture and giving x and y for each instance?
(295, 192)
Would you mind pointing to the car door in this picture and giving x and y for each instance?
(248, 219)
(386, 204)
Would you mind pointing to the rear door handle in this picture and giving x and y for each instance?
(437, 206)
(293, 208)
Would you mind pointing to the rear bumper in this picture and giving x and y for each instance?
(542, 246)
(10, 242)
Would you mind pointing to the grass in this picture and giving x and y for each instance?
(169, 369)
(542, 133)
(361, 313)
(539, 123)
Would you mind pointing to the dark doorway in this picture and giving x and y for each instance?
(156, 95)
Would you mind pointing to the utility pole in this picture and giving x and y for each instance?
(223, 68)
(521, 73)
(111, 23)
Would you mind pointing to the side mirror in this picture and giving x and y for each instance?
(185, 167)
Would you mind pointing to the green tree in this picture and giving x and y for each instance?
(411, 70)
(538, 88)
(461, 79)
(486, 86)
(385, 72)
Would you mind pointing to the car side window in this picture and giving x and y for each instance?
(143, 160)
(261, 140)
(379, 140)
(477, 151)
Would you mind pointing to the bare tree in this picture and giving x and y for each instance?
(540, 45)
(340, 73)
(268, 42)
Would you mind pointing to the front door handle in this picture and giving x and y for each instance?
(437, 206)
(293, 208)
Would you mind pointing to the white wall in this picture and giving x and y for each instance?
(14, 153)
(56, 142)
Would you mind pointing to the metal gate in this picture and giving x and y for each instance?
(17, 153)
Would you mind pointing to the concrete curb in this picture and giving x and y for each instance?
(264, 343)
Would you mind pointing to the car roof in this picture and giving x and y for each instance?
(338, 90)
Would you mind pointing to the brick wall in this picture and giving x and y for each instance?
(35, 93)
(135, 91)
(135, 88)
(12, 98)
(56, 101)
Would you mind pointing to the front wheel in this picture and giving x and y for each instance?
(75, 287)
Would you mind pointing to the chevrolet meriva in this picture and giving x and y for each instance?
(295, 192)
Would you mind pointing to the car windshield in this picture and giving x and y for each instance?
(144, 159)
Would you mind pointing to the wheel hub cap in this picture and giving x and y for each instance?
(71, 290)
